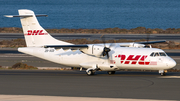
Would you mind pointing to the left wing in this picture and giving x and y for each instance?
(132, 44)
(100, 49)
(151, 42)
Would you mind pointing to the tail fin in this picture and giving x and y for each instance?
(34, 34)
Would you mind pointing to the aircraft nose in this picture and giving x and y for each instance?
(171, 63)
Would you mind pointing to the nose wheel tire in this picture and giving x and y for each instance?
(163, 74)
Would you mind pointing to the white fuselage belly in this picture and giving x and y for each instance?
(120, 57)
(68, 58)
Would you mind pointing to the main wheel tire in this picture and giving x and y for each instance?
(111, 72)
(90, 72)
(93, 72)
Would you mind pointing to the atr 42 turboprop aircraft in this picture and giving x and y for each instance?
(92, 57)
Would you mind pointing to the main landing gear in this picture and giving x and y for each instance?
(90, 72)
(111, 72)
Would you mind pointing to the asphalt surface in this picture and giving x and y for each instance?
(168, 37)
(131, 85)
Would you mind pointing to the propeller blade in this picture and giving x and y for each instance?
(148, 35)
(111, 45)
(107, 54)
(103, 40)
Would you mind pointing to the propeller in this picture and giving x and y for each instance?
(106, 50)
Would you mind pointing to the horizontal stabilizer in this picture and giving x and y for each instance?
(11, 16)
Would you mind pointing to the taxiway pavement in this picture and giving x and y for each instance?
(129, 85)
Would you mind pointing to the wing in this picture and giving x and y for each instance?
(66, 46)
(151, 42)
(87, 46)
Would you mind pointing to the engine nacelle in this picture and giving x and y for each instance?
(136, 45)
(95, 50)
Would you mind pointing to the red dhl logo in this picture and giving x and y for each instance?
(135, 59)
(36, 32)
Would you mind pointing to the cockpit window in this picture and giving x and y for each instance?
(154, 54)
(162, 54)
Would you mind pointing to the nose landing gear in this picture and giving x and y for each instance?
(162, 72)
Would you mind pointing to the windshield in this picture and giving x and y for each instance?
(162, 54)
(154, 54)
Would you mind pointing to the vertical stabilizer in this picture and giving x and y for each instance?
(34, 34)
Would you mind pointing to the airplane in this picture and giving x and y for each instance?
(108, 57)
